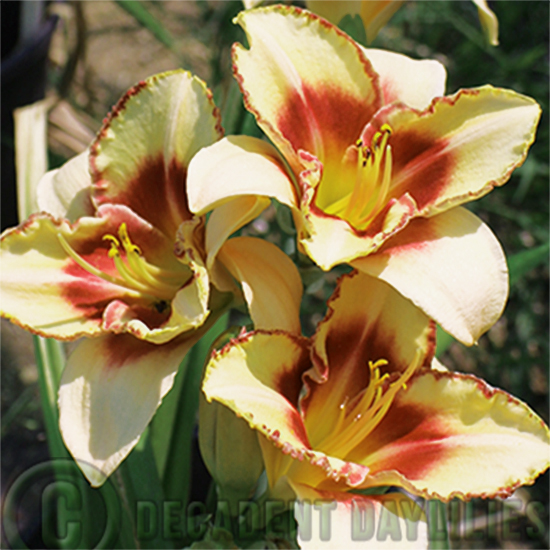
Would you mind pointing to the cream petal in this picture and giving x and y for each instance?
(109, 391)
(258, 376)
(412, 81)
(141, 155)
(322, 90)
(367, 321)
(271, 283)
(66, 191)
(237, 166)
(452, 435)
(67, 301)
(458, 149)
(488, 20)
(451, 266)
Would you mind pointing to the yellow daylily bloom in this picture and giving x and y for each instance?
(358, 406)
(376, 13)
(116, 255)
(374, 162)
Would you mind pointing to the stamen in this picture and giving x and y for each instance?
(93, 270)
(151, 274)
(113, 239)
(386, 129)
(376, 140)
(129, 246)
(372, 181)
(354, 425)
(377, 200)
(341, 416)
(137, 275)
(126, 274)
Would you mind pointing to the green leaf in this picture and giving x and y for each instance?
(354, 27)
(178, 469)
(438, 535)
(143, 494)
(249, 127)
(144, 17)
(284, 218)
(162, 424)
(443, 341)
(521, 263)
(50, 360)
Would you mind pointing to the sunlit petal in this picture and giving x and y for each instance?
(366, 321)
(415, 82)
(237, 166)
(322, 89)
(271, 283)
(65, 192)
(460, 148)
(141, 155)
(109, 392)
(451, 435)
(259, 377)
(488, 20)
(451, 266)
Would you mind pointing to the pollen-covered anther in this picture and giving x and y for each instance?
(381, 136)
(115, 245)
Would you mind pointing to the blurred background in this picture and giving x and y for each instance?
(84, 55)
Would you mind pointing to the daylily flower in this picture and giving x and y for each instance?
(119, 257)
(373, 161)
(376, 13)
(358, 407)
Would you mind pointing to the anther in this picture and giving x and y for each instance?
(115, 245)
(111, 238)
(129, 246)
